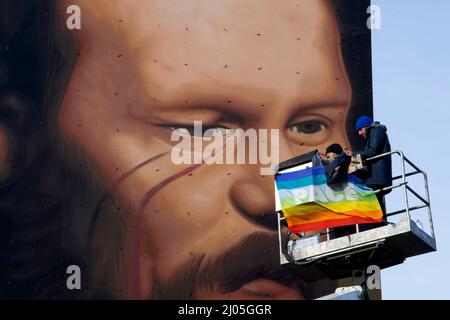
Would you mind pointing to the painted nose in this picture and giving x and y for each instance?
(254, 195)
(255, 201)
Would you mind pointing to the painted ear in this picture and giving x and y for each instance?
(15, 109)
(14, 120)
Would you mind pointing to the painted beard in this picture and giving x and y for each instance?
(254, 258)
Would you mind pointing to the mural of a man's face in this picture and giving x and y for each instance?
(148, 67)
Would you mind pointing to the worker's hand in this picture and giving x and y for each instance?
(348, 152)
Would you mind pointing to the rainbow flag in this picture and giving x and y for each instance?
(309, 204)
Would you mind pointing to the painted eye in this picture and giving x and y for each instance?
(215, 132)
(182, 131)
(207, 132)
(308, 127)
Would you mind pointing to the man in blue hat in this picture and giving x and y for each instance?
(379, 171)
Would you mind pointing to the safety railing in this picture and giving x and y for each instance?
(403, 183)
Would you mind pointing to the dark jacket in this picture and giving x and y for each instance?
(336, 171)
(379, 171)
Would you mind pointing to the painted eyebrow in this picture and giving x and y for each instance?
(235, 109)
(195, 114)
(222, 97)
(317, 106)
(191, 114)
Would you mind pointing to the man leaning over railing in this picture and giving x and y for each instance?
(379, 171)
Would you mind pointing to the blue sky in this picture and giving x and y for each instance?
(411, 79)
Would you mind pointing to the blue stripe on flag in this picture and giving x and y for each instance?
(300, 174)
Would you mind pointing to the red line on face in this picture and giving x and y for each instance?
(136, 168)
(136, 292)
(114, 185)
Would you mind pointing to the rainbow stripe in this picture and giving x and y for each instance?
(309, 204)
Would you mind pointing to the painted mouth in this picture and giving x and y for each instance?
(253, 269)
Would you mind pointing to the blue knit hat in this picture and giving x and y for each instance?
(363, 122)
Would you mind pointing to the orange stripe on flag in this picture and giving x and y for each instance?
(320, 225)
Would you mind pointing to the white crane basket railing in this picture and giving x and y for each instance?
(384, 246)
